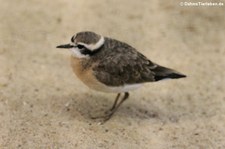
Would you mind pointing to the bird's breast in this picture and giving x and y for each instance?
(83, 70)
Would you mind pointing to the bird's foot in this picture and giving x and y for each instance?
(104, 118)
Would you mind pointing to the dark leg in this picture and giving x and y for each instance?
(114, 107)
(115, 102)
(107, 117)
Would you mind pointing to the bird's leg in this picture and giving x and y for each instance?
(108, 116)
(114, 108)
(115, 102)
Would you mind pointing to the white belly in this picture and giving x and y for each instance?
(124, 88)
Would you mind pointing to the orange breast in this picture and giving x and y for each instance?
(86, 74)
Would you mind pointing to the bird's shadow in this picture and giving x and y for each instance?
(85, 106)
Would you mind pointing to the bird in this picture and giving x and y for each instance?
(112, 66)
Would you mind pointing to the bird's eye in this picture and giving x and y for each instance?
(80, 46)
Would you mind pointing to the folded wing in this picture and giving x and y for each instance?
(125, 65)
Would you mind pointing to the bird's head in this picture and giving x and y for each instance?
(84, 44)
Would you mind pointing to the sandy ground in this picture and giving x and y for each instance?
(43, 105)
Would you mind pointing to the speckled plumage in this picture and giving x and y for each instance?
(117, 64)
(109, 65)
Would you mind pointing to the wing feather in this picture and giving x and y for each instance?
(123, 66)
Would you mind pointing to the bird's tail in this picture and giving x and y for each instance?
(162, 73)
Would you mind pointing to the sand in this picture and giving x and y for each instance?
(43, 104)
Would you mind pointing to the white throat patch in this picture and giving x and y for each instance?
(95, 46)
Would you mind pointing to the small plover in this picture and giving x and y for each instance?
(109, 65)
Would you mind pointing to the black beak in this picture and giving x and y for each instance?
(65, 46)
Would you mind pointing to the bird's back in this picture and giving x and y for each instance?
(120, 64)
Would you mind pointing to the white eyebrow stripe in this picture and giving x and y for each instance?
(95, 46)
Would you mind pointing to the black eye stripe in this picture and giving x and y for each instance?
(86, 52)
(89, 52)
(80, 46)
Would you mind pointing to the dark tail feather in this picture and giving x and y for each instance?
(166, 73)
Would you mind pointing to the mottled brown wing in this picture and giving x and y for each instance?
(124, 65)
